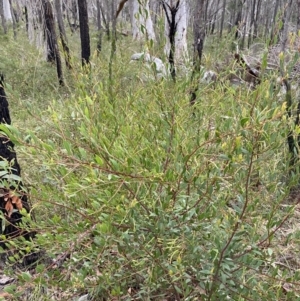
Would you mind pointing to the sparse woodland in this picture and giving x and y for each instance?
(159, 147)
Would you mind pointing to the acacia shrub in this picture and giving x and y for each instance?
(146, 197)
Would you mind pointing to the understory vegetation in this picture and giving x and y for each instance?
(137, 195)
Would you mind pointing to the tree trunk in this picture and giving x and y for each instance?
(175, 29)
(141, 21)
(7, 10)
(171, 29)
(99, 27)
(112, 53)
(256, 20)
(13, 20)
(222, 18)
(3, 20)
(244, 23)
(74, 11)
(53, 51)
(26, 19)
(199, 28)
(238, 20)
(84, 32)
(286, 19)
(274, 22)
(252, 20)
(62, 33)
(298, 15)
(105, 21)
(214, 18)
(13, 198)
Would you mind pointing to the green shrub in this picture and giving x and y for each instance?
(149, 198)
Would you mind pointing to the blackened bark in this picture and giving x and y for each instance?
(49, 27)
(99, 26)
(298, 15)
(15, 189)
(62, 33)
(84, 32)
(4, 111)
(53, 51)
(171, 19)
(26, 18)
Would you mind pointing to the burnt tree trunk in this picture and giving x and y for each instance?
(26, 18)
(12, 195)
(84, 32)
(62, 33)
(238, 20)
(298, 15)
(49, 26)
(99, 26)
(53, 54)
(171, 19)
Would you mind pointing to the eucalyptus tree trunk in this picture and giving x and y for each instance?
(274, 24)
(26, 19)
(252, 20)
(53, 51)
(13, 20)
(199, 28)
(238, 20)
(99, 26)
(214, 18)
(104, 19)
(298, 15)
(75, 11)
(62, 33)
(112, 52)
(222, 18)
(286, 19)
(84, 32)
(256, 19)
(141, 22)
(7, 10)
(171, 29)
(3, 20)
(175, 31)
(244, 27)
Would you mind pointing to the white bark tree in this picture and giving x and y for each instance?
(181, 30)
(142, 25)
(7, 10)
